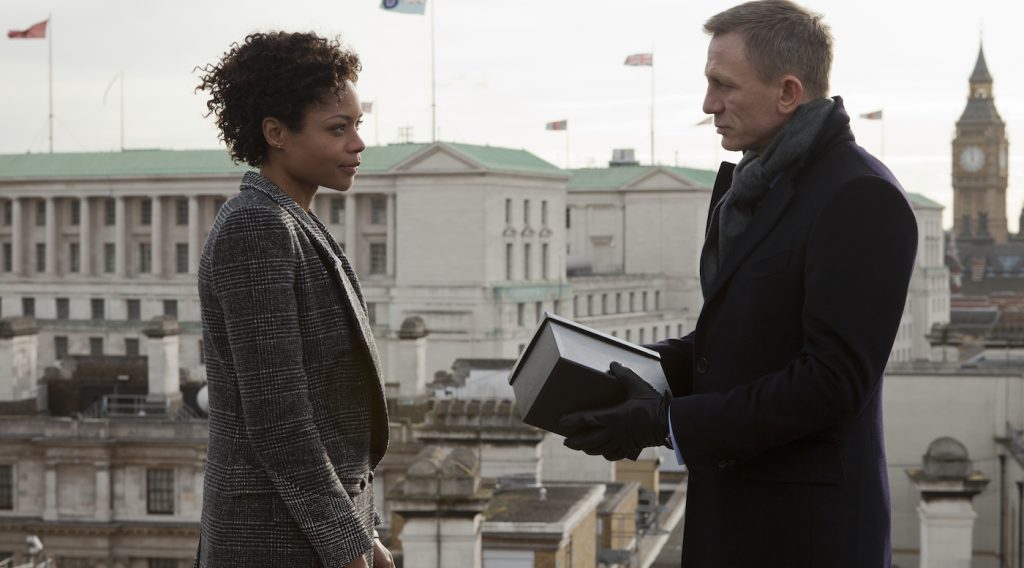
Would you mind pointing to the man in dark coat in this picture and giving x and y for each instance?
(776, 395)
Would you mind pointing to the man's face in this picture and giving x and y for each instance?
(746, 109)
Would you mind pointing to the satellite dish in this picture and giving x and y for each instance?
(203, 399)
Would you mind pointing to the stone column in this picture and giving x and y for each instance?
(162, 342)
(103, 491)
(193, 234)
(947, 484)
(391, 216)
(411, 369)
(52, 238)
(157, 237)
(17, 236)
(85, 237)
(19, 346)
(350, 230)
(120, 237)
(441, 506)
(50, 502)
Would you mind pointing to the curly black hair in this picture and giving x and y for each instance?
(277, 74)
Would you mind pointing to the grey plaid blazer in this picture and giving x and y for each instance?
(298, 419)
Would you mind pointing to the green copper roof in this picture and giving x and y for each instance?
(157, 163)
(618, 176)
(921, 201)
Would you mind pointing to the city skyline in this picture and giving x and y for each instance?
(503, 91)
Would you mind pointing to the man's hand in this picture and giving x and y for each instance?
(382, 556)
(622, 430)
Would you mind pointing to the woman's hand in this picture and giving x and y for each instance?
(382, 556)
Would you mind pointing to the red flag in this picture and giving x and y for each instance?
(640, 59)
(874, 115)
(35, 32)
(557, 125)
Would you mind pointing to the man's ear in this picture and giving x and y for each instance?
(274, 132)
(791, 95)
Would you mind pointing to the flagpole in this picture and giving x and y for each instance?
(49, 44)
(122, 110)
(433, 77)
(652, 106)
(567, 147)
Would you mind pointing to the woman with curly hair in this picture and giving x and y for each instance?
(298, 419)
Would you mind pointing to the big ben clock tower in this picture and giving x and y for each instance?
(979, 164)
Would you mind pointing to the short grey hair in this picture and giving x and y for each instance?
(781, 37)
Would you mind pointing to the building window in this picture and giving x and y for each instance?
(544, 213)
(526, 261)
(74, 257)
(526, 212)
(131, 346)
(337, 210)
(181, 211)
(160, 491)
(7, 487)
(28, 307)
(632, 304)
(538, 311)
(109, 253)
(97, 308)
(604, 304)
(63, 311)
(590, 304)
(40, 257)
(668, 331)
(145, 258)
(378, 210)
(654, 333)
(8, 212)
(544, 261)
(508, 261)
(378, 258)
(8, 257)
(171, 308)
(41, 212)
(520, 314)
(181, 258)
(508, 212)
(575, 306)
(657, 299)
(568, 218)
(629, 335)
(60, 346)
(146, 212)
(96, 346)
(618, 302)
(76, 213)
(134, 309)
(109, 212)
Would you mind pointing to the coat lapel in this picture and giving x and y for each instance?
(767, 215)
(338, 266)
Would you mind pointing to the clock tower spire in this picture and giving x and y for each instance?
(979, 164)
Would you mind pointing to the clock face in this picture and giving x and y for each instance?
(972, 158)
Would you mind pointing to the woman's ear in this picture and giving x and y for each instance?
(274, 133)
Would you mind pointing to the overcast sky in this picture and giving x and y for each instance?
(505, 68)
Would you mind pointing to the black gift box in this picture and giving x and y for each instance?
(565, 369)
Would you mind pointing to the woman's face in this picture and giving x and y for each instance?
(326, 151)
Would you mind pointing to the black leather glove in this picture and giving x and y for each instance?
(619, 431)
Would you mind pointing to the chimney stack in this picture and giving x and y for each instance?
(162, 342)
(412, 358)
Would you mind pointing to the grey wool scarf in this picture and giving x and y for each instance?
(752, 180)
